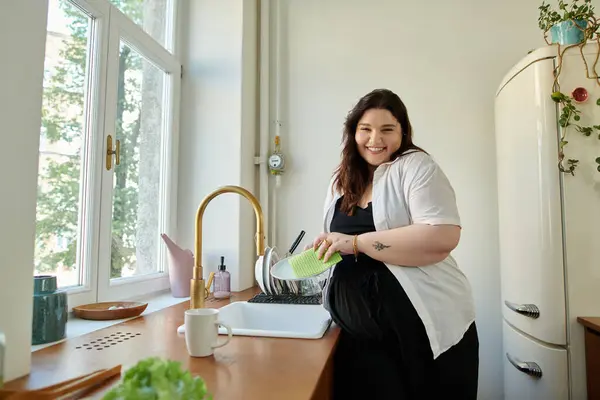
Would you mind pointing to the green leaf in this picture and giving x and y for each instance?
(156, 379)
(576, 117)
(598, 160)
(557, 97)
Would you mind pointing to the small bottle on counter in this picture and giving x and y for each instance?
(222, 282)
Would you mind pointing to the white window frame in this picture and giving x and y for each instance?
(122, 27)
(110, 25)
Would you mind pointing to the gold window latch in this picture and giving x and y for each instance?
(110, 152)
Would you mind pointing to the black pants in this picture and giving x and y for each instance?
(383, 351)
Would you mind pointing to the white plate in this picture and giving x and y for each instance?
(283, 270)
(266, 269)
(258, 273)
(270, 260)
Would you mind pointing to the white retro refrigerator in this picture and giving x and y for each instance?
(549, 226)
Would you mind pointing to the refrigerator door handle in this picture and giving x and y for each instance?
(527, 367)
(528, 310)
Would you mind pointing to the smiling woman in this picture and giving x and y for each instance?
(404, 306)
(378, 136)
(375, 132)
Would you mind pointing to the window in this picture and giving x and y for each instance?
(153, 16)
(107, 148)
(61, 155)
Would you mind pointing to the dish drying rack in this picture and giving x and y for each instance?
(282, 292)
(286, 299)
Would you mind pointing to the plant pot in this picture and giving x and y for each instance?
(566, 33)
(50, 310)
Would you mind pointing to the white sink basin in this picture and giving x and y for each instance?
(275, 320)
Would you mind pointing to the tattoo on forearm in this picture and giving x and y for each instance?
(380, 246)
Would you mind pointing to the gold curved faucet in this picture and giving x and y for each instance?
(198, 290)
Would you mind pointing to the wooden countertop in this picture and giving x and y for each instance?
(247, 368)
(592, 323)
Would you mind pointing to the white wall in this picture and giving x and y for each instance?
(445, 61)
(22, 43)
(218, 129)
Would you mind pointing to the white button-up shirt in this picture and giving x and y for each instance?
(413, 189)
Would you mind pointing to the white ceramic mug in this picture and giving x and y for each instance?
(202, 331)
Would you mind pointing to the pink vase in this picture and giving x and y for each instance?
(181, 267)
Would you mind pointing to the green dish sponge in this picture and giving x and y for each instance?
(307, 264)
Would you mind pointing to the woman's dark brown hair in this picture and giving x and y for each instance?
(353, 175)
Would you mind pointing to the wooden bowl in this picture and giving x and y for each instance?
(102, 311)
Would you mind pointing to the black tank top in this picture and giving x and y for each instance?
(360, 222)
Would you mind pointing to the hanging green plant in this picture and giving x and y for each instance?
(570, 117)
(573, 24)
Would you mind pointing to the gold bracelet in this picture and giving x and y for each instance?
(355, 247)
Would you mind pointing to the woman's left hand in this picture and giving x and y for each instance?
(326, 244)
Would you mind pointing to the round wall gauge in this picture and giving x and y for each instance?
(276, 162)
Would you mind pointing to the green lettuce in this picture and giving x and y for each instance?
(157, 379)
